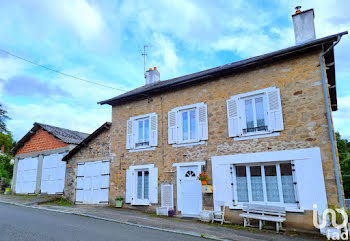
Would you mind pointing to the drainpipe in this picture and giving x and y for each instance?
(329, 120)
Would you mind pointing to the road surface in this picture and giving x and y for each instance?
(22, 223)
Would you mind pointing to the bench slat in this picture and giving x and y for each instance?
(263, 217)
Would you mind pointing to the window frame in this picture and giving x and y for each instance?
(262, 165)
(136, 136)
(181, 133)
(244, 119)
(142, 200)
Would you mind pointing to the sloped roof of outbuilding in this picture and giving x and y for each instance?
(86, 141)
(65, 135)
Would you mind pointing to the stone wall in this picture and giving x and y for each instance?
(97, 149)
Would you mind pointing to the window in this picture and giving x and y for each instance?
(188, 124)
(269, 184)
(143, 184)
(188, 118)
(142, 132)
(255, 113)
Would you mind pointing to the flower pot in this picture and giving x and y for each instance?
(7, 190)
(204, 182)
(171, 212)
(118, 203)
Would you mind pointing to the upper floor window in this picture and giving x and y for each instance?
(142, 131)
(253, 113)
(188, 124)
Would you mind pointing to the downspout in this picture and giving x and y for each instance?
(329, 120)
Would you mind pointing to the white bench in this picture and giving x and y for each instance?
(263, 213)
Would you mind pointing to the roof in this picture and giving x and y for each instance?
(65, 135)
(232, 68)
(89, 138)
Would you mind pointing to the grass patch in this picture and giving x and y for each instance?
(60, 201)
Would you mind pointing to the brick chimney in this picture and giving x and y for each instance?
(304, 27)
(152, 76)
(3, 148)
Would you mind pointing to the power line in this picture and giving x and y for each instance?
(59, 72)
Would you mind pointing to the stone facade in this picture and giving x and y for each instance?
(97, 149)
(304, 116)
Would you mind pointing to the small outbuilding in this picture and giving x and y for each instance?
(38, 165)
(88, 165)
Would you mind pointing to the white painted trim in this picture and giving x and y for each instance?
(178, 185)
(288, 209)
(143, 149)
(184, 164)
(141, 116)
(255, 92)
(256, 136)
(179, 108)
(189, 144)
(287, 155)
(309, 175)
(141, 167)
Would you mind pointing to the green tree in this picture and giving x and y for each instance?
(6, 168)
(7, 141)
(3, 119)
(344, 160)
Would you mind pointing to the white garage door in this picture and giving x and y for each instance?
(54, 170)
(92, 182)
(26, 175)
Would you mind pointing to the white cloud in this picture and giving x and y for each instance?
(57, 114)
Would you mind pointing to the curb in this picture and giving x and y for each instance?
(118, 221)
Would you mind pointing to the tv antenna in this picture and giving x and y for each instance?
(144, 54)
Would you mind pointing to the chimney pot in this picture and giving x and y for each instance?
(152, 76)
(304, 26)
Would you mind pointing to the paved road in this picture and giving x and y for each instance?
(21, 223)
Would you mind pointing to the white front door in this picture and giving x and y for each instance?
(190, 191)
(26, 175)
(92, 182)
(53, 174)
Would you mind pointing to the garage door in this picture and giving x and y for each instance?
(92, 182)
(26, 175)
(54, 170)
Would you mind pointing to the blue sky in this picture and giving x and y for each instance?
(101, 41)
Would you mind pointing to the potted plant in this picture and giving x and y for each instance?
(203, 177)
(119, 202)
(7, 191)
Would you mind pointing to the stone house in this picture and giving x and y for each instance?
(261, 128)
(38, 166)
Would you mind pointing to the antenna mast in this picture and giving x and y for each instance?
(144, 54)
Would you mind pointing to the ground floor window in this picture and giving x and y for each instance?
(270, 183)
(143, 184)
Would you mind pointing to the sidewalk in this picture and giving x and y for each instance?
(174, 224)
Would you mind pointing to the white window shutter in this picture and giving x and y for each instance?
(275, 118)
(153, 185)
(233, 117)
(129, 134)
(203, 122)
(172, 126)
(154, 130)
(128, 186)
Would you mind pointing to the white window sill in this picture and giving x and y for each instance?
(288, 209)
(189, 144)
(241, 138)
(143, 149)
(141, 203)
